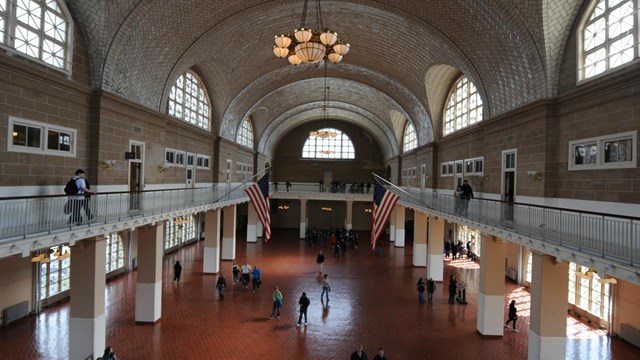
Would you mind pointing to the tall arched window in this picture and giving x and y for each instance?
(245, 134)
(40, 29)
(188, 100)
(409, 141)
(114, 256)
(464, 106)
(329, 146)
(608, 37)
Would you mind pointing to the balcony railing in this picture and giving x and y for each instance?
(598, 234)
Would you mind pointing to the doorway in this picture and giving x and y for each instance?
(190, 171)
(136, 175)
(509, 164)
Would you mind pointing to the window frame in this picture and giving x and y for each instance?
(600, 143)
(199, 84)
(203, 161)
(453, 106)
(474, 162)
(341, 146)
(446, 168)
(409, 138)
(244, 135)
(43, 147)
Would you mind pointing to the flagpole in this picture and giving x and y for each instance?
(376, 176)
(244, 183)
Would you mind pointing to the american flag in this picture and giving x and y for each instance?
(259, 196)
(383, 203)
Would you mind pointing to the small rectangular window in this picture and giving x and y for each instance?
(35, 137)
(179, 157)
(468, 167)
(604, 152)
(169, 156)
(190, 159)
(479, 165)
(202, 161)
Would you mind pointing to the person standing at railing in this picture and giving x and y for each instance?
(77, 200)
(288, 184)
(467, 195)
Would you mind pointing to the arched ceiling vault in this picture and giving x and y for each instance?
(139, 47)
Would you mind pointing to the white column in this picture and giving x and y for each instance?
(252, 223)
(392, 225)
(491, 291)
(435, 260)
(548, 319)
(211, 256)
(149, 278)
(259, 229)
(303, 218)
(349, 221)
(229, 233)
(87, 323)
(399, 225)
(420, 239)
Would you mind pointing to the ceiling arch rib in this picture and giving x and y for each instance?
(338, 111)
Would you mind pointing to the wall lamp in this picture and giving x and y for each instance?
(534, 175)
(162, 169)
(107, 164)
(484, 179)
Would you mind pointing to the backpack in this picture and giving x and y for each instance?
(72, 187)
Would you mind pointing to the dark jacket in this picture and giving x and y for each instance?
(222, 282)
(354, 356)
(304, 302)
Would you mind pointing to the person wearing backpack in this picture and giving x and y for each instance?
(76, 188)
(304, 303)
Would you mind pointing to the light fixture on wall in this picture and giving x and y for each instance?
(326, 209)
(308, 45)
(162, 169)
(484, 179)
(283, 207)
(534, 175)
(107, 164)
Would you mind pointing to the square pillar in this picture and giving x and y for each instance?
(87, 322)
(211, 256)
(435, 258)
(399, 211)
(420, 228)
(549, 297)
(491, 290)
(392, 225)
(349, 221)
(149, 279)
(303, 218)
(252, 223)
(229, 233)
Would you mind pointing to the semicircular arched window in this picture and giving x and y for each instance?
(328, 146)
(245, 134)
(188, 101)
(464, 106)
(607, 37)
(41, 29)
(409, 140)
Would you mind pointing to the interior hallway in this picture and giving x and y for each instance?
(373, 302)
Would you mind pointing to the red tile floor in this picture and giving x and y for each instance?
(373, 302)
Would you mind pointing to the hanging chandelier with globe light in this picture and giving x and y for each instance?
(307, 45)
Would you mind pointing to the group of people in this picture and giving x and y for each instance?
(359, 354)
(429, 286)
(458, 250)
(245, 274)
(462, 197)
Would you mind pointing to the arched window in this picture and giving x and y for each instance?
(608, 37)
(40, 29)
(245, 134)
(188, 100)
(464, 106)
(328, 146)
(410, 141)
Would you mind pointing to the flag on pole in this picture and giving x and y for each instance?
(383, 203)
(259, 196)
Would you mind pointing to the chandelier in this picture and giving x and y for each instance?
(323, 133)
(308, 45)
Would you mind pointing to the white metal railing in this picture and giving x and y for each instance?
(608, 236)
(27, 216)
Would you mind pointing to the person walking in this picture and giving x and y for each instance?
(513, 317)
(77, 196)
(380, 355)
(421, 287)
(246, 270)
(304, 303)
(467, 195)
(177, 270)
(320, 261)
(453, 287)
(256, 279)
(235, 270)
(220, 285)
(359, 354)
(326, 287)
(277, 303)
(431, 288)
(288, 184)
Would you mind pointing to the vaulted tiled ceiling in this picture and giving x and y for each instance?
(405, 55)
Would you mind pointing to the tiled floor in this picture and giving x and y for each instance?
(373, 302)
